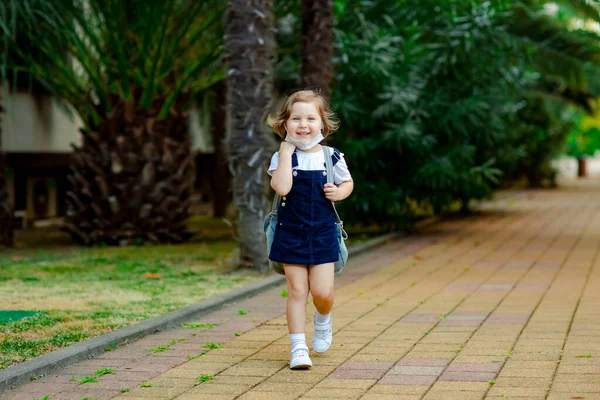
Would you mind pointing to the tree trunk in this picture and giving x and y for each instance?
(317, 45)
(581, 167)
(249, 48)
(220, 178)
(132, 180)
(6, 207)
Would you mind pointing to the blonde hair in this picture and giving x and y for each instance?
(330, 122)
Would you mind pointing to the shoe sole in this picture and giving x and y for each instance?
(301, 366)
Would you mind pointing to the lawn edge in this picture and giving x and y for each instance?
(19, 374)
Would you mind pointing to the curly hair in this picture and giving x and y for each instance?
(330, 122)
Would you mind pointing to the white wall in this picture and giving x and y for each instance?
(40, 124)
(200, 123)
(567, 166)
(37, 124)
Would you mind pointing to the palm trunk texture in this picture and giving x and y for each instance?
(317, 45)
(249, 48)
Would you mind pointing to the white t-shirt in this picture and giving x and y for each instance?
(314, 162)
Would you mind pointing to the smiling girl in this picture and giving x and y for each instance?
(306, 238)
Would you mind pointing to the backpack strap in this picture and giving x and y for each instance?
(328, 153)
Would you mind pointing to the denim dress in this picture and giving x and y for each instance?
(306, 231)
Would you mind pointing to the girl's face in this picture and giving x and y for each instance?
(304, 122)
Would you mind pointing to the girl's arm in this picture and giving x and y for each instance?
(281, 181)
(339, 192)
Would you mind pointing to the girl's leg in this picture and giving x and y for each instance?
(321, 279)
(321, 288)
(297, 284)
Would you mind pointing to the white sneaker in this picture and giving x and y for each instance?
(322, 337)
(299, 358)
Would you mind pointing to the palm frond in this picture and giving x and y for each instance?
(585, 9)
(96, 53)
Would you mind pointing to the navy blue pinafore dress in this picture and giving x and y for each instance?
(306, 231)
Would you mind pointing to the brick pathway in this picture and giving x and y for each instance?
(500, 305)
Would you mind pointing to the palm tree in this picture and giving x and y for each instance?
(249, 48)
(128, 69)
(317, 44)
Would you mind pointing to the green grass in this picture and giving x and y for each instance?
(105, 371)
(86, 292)
(158, 349)
(85, 379)
(193, 357)
(198, 325)
(204, 378)
(212, 345)
(146, 384)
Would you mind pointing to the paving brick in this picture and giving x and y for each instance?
(325, 393)
(576, 387)
(466, 376)
(253, 395)
(370, 396)
(453, 395)
(416, 370)
(512, 392)
(461, 386)
(526, 373)
(523, 382)
(576, 369)
(399, 389)
(196, 396)
(357, 374)
(467, 367)
(367, 365)
(153, 393)
(577, 378)
(407, 380)
(573, 396)
(424, 362)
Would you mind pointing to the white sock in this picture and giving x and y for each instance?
(323, 319)
(297, 338)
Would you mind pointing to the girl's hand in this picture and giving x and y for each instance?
(331, 191)
(286, 148)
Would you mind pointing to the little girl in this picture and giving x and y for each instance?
(306, 240)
